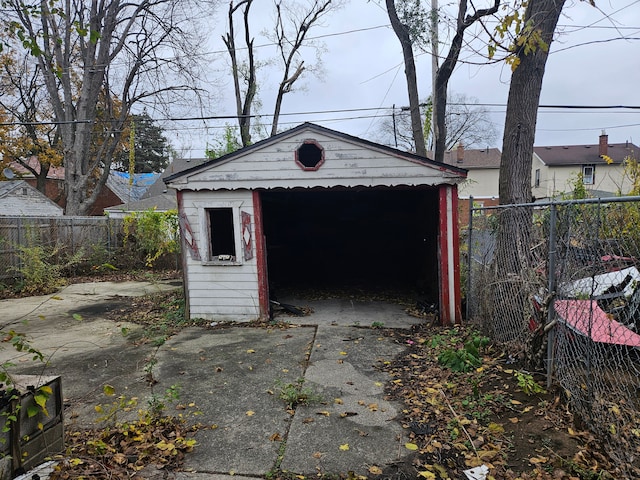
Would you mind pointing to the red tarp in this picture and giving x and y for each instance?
(586, 316)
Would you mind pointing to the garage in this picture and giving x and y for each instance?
(370, 239)
(314, 208)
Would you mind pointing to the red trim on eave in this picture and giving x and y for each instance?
(261, 256)
(183, 247)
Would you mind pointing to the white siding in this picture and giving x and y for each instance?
(346, 164)
(27, 201)
(608, 178)
(221, 292)
(481, 183)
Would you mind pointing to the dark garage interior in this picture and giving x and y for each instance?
(372, 239)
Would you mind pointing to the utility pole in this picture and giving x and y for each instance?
(434, 66)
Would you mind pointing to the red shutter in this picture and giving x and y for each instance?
(247, 237)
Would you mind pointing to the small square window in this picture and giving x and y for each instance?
(588, 174)
(222, 242)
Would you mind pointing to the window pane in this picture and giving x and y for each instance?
(221, 232)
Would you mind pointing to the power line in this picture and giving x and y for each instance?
(324, 112)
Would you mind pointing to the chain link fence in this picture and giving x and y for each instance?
(559, 285)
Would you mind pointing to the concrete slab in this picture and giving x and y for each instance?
(355, 429)
(230, 373)
(350, 312)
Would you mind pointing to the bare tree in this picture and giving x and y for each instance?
(467, 124)
(293, 20)
(290, 34)
(403, 33)
(98, 59)
(244, 99)
(445, 71)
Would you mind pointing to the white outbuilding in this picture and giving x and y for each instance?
(316, 207)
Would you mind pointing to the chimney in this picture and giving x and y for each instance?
(604, 143)
(460, 153)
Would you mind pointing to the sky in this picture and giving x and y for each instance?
(362, 75)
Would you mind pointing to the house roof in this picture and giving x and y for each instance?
(474, 158)
(162, 203)
(314, 128)
(54, 172)
(176, 166)
(585, 154)
(118, 182)
(9, 186)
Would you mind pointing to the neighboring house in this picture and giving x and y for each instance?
(318, 208)
(157, 196)
(483, 166)
(18, 198)
(554, 170)
(115, 192)
(602, 167)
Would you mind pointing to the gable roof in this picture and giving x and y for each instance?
(177, 165)
(474, 158)
(118, 183)
(34, 203)
(585, 154)
(283, 145)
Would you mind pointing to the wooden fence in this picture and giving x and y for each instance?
(93, 236)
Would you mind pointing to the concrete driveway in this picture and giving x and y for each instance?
(232, 374)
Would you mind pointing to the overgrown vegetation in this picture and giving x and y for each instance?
(465, 405)
(41, 268)
(150, 242)
(125, 447)
(152, 234)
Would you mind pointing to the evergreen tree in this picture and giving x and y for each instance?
(151, 147)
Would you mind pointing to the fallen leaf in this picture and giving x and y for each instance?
(411, 446)
(251, 350)
(516, 402)
(427, 474)
(275, 437)
(537, 460)
(514, 420)
(338, 401)
(378, 384)
(374, 470)
(317, 455)
(250, 413)
(344, 447)
(323, 412)
(343, 353)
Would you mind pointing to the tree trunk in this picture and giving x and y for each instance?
(513, 244)
(402, 33)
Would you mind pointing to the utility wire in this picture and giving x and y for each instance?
(322, 112)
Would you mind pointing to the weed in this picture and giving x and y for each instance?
(296, 393)
(377, 325)
(527, 383)
(466, 358)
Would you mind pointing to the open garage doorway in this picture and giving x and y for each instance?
(373, 240)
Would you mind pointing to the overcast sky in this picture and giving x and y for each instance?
(589, 65)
